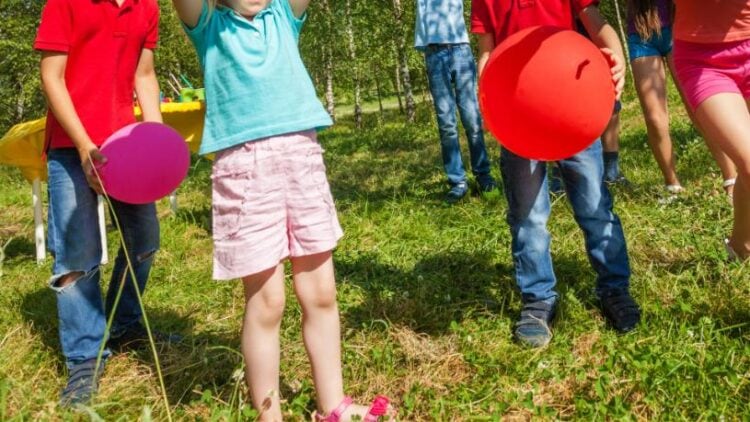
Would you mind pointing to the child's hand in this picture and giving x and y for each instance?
(618, 70)
(91, 157)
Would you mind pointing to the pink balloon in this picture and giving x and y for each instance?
(145, 162)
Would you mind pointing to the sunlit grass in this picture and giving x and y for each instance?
(427, 298)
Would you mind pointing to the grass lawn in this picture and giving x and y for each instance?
(427, 299)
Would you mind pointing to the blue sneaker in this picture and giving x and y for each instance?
(456, 192)
(533, 327)
(83, 382)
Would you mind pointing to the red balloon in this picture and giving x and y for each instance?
(546, 93)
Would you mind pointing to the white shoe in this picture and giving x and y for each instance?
(674, 189)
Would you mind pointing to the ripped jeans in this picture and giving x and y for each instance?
(73, 233)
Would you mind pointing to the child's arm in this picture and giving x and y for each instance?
(189, 11)
(485, 43)
(58, 98)
(299, 7)
(605, 37)
(147, 87)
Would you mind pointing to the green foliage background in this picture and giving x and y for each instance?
(21, 98)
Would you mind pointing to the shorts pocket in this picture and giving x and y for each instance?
(227, 199)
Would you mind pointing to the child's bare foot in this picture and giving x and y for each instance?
(379, 411)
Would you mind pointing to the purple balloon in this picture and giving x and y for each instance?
(145, 162)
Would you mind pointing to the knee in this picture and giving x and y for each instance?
(271, 309)
(67, 282)
(323, 297)
(533, 241)
(146, 256)
(657, 120)
(448, 133)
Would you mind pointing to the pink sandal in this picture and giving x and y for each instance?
(378, 408)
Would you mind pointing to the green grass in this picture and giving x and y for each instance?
(427, 300)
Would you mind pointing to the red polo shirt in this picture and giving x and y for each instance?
(104, 43)
(506, 17)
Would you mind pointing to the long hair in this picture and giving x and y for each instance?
(645, 16)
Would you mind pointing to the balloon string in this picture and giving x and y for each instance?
(131, 271)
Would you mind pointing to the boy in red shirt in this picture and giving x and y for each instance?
(582, 174)
(95, 54)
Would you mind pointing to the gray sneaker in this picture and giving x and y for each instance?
(533, 327)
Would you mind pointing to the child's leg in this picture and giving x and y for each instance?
(728, 170)
(726, 121)
(528, 210)
(465, 76)
(650, 83)
(265, 299)
(444, 101)
(592, 208)
(74, 242)
(315, 287)
(611, 147)
(140, 229)
(605, 241)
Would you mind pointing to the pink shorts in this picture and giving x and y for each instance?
(271, 200)
(705, 70)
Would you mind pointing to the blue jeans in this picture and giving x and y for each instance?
(528, 211)
(452, 74)
(74, 242)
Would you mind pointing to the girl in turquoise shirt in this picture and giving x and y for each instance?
(271, 199)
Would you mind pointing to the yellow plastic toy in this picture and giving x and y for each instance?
(23, 147)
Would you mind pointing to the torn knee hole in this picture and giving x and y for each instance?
(67, 279)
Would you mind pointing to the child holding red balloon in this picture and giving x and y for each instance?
(89, 99)
(711, 53)
(526, 189)
(271, 199)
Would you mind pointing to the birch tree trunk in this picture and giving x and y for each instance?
(328, 59)
(397, 84)
(20, 103)
(398, 15)
(380, 94)
(354, 67)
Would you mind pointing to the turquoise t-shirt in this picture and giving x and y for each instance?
(256, 84)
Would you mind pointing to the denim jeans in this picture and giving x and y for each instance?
(74, 242)
(452, 74)
(529, 208)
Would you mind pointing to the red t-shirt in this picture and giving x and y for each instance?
(712, 21)
(506, 17)
(104, 43)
